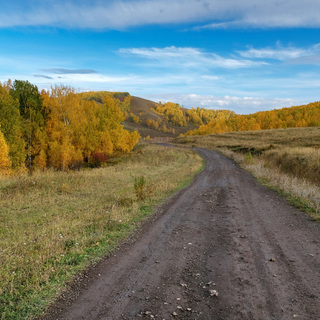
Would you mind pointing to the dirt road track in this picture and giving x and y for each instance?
(225, 233)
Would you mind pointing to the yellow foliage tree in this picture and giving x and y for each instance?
(11, 122)
(79, 129)
(5, 162)
(172, 113)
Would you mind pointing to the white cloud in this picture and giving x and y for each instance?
(87, 78)
(109, 14)
(69, 71)
(297, 55)
(119, 14)
(160, 53)
(189, 57)
(267, 14)
(209, 77)
(241, 105)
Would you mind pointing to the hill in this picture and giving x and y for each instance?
(143, 110)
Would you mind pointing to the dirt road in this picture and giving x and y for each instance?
(223, 248)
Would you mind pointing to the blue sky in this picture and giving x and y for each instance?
(241, 55)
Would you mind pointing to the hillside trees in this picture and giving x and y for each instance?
(199, 116)
(172, 113)
(301, 116)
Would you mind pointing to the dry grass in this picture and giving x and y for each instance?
(53, 224)
(302, 162)
(263, 139)
(286, 159)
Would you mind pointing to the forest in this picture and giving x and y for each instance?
(64, 130)
(60, 128)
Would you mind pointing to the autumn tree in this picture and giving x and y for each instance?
(133, 118)
(194, 117)
(5, 162)
(79, 130)
(122, 140)
(172, 113)
(33, 117)
(152, 124)
(66, 119)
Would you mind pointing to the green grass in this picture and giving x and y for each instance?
(54, 224)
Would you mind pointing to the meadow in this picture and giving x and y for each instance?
(54, 224)
(287, 160)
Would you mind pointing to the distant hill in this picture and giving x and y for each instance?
(169, 119)
(145, 111)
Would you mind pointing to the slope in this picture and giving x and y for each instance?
(144, 110)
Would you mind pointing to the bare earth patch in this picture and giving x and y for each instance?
(223, 248)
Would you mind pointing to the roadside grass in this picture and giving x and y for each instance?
(287, 160)
(54, 224)
(302, 162)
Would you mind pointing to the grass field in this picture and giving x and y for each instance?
(54, 224)
(285, 159)
(259, 140)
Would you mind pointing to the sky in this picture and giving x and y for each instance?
(240, 55)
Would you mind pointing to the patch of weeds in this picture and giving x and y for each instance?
(125, 202)
(139, 187)
(145, 210)
(299, 203)
(65, 188)
(73, 259)
(316, 215)
(69, 244)
(248, 158)
(114, 225)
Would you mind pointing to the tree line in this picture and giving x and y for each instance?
(297, 116)
(60, 128)
(209, 121)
